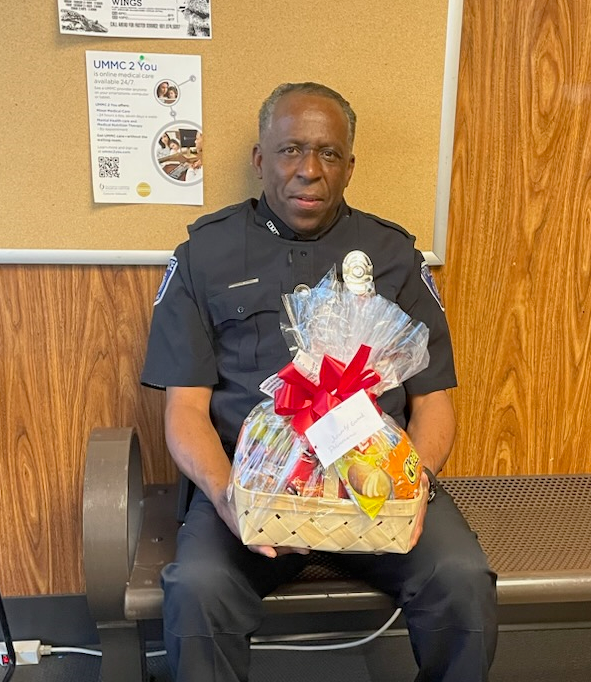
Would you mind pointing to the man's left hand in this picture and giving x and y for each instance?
(420, 518)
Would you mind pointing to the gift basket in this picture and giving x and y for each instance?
(318, 465)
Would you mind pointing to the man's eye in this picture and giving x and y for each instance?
(290, 151)
(329, 154)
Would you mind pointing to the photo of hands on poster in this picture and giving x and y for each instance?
(146, 134)
(179, 153)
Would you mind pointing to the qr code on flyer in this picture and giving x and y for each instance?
(108, 166)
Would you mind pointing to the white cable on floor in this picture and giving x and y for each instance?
(45, 650)
(69, 650)
(329, 647)
(48, 649)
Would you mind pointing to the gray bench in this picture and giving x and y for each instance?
(536, 531)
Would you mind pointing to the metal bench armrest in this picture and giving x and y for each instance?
(112, 513)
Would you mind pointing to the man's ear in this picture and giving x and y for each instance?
(350, 169)
(257, 160)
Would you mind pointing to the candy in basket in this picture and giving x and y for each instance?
(318, 465)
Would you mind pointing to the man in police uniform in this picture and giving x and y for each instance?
(216, 335)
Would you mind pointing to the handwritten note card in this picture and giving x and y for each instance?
(349, 423)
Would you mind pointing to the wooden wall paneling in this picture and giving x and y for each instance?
(72, 342)
(482, 327)
(135, 289)
(25, 521)
(56, 329)
(517, 281)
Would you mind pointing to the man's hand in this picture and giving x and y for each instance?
(432, 429)
(227, 513)
(420, 518)
(196, 448)
(273, 552)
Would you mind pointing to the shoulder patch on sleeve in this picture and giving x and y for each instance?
(217, 216)
(427, 277)
(170, 270)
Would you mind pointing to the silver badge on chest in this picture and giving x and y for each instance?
(358, 273)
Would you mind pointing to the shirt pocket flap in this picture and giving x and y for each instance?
(242, 302)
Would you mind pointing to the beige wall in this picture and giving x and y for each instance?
(517, 288)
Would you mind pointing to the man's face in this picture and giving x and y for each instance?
(305, 161)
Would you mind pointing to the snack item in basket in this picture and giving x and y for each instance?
(266, 451)
(260, 480)
(306, 477)
(403, 465)
(385, 466)
(367, 484)
(367, 480)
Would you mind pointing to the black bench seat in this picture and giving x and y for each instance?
(535, 530)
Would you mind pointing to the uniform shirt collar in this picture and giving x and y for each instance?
(274, 224)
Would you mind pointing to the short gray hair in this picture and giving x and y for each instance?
(308, 88)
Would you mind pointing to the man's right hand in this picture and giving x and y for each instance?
(274, 552)
(227, 513)
(196, 448)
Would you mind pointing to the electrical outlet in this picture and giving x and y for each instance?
(27, 652)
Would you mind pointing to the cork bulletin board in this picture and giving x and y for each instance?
(396, 62)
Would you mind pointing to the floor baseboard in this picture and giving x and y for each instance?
(60, 620)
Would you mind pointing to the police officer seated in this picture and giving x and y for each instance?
(216, 336)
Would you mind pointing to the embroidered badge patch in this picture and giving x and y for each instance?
(427, 277)
(170, 269)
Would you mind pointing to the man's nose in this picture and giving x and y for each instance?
(310, 167)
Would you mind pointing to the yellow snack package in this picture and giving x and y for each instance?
(385, 466)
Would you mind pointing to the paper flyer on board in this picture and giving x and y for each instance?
(146, 134)
(187, 19)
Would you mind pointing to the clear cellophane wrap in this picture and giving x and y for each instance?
(366, 500)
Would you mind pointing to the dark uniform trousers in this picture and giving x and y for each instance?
(214, 589)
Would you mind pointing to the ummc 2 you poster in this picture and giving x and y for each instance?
(146, 134)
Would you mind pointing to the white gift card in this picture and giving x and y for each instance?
(341, 429)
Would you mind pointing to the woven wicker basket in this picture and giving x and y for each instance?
(327, 524)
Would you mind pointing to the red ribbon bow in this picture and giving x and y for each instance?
(307, 402)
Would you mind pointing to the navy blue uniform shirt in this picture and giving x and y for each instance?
(217, 313)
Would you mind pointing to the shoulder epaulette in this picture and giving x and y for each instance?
(216, 217)
(387, 223)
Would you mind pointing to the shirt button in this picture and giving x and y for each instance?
(240, 309)
(303, 253)
(303, 289)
